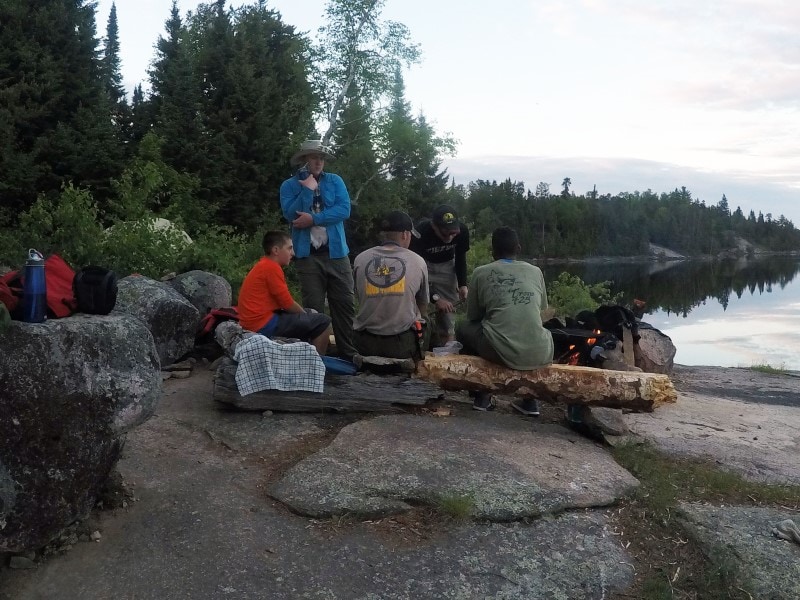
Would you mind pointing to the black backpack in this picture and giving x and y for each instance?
(95, 290)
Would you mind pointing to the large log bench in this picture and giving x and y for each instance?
(562, 383)
(343, 393)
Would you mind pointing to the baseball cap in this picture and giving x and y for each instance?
(444, 217)
(397, 220)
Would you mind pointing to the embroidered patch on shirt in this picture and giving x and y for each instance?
(385, 275)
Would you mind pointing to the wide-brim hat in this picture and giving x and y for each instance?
(310, 147)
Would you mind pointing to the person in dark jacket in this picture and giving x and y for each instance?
(443, 243)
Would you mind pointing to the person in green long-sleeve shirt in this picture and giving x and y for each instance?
(504, 323)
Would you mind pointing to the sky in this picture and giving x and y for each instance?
(621, 95)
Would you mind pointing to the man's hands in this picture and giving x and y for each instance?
(463, 292)
(310, 183)
(304, 220)
(443, 305)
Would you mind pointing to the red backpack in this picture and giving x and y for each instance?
(7, 297)
(58, 276)
(205, 332)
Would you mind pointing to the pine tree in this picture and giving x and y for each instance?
(141, 116)
(112, 75)
(412, 153)
(54, 121)
(229, 88)
(357, 163)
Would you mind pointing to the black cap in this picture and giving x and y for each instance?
(444, 217)
(397, 220)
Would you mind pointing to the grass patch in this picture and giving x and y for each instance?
(666, 481)
(670, 564)
(456, 506)
(769, 369)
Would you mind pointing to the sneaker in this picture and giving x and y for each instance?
(527, 406)
(482, 401)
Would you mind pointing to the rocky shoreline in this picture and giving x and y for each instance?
(214, 514)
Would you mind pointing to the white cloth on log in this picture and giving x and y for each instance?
(267, 365)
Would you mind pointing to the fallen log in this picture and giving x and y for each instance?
(562, 383)
(343, 393)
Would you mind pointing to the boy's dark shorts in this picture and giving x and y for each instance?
(303, 326)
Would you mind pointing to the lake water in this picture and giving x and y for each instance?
(732, 313)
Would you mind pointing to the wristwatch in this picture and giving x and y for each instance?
(436, 297)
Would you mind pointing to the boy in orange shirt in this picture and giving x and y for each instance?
(266, 306)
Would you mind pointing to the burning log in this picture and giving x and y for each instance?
(561, 383)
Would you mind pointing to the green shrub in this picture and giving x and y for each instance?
(142, 247)
(67, 225)
(480, 253)
(221, 251)
(149, 186)
(12, 250)
(568, 295)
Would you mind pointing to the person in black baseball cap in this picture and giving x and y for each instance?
(398, 221)
(392, 290)
(445, 219)
(443, 243)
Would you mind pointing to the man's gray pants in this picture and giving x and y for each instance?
(322, 276)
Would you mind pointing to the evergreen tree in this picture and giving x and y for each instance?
(141, 115)
(411, 152)
(229, 88)
(112, 75)
(175, 101)
(55, 122)
(358, 164)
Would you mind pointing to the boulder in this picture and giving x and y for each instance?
(71, 389)
(495, 469)
(172, 319)
(204, 290)
(181, 239)
(602, 420)
(741, 541)
(655, 351)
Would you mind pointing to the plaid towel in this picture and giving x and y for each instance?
(267, 365)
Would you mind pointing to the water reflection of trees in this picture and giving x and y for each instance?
(678, 287)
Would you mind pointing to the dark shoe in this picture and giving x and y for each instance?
(482, 401)
(527, 406)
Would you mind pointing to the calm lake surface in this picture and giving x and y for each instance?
(724, 313)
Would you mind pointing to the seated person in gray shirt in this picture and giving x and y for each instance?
(504, 323)
(392, 289)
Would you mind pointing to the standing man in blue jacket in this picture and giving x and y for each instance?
(317, 204)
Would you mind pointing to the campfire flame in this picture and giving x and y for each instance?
(593, 340)
(575, 357)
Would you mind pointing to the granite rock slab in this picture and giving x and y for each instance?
(501, 467)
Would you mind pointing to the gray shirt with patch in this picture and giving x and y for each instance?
(390, 281)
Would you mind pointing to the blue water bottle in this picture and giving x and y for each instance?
(34, 294)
